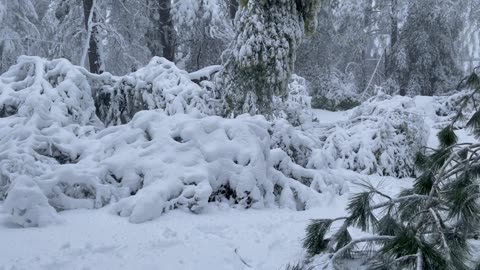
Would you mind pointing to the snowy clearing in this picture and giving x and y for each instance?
(220, 237)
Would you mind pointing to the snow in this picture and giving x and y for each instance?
(381, 136)
(169, 155)
(243, 189)
(220, 237)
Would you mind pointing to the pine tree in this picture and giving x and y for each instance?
(426, 226)
(424, 55)
(260, 60)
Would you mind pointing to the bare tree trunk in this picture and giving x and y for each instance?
(167, 31)
(94, 47)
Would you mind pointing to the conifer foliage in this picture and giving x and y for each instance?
(260, 60)
(425, 227)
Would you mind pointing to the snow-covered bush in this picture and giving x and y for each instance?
(174, 156)
(297, 108)
(334, 91)
(159, 85)
(46, 108)
(382, 136)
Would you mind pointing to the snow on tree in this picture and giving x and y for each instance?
(170, 156)
(159, 85)
(260, 60)
(424, 56)
(204, 31)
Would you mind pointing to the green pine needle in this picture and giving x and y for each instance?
(387, 225)
(421, 161)
(315, 241)
(423, 184)
(447, 137)
(473, 81)
(462, 194)
(359, 208)
(343, 239)
(474, 124)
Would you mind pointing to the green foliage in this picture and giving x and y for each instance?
(315, 241)
(361, 215)
(474, 124)
(447, 137)
(387, 225)
(424, 183)
(473, 81)
(343, 239)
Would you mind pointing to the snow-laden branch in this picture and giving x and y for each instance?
(360, 240)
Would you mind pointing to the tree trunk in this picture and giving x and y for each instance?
(94, 45)
(232, 8)
(393, 37)
(167, 31)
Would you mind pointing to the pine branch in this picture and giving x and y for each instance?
(356, 241)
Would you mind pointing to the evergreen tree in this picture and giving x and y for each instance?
(426, 226)
(260, 60)
(425, 55)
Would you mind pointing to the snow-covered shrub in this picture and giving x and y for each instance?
(297, 108)
(293, 141)
(172, 157)
(28, 206)
(159, 85)
(46, 109)
(382, 136)
(188, 161)
(335, 91)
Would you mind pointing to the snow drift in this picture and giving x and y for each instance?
(55, 153)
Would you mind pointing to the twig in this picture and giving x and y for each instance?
(241, 259)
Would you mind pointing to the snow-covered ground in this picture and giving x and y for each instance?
(219, 238)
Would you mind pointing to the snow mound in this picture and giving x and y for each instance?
(381, 136)
(28, 206)
(159, 85)
(55, 152)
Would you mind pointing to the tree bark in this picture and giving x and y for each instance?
(94, 47)
(232, 8)
(393, 37)
(167, 31)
